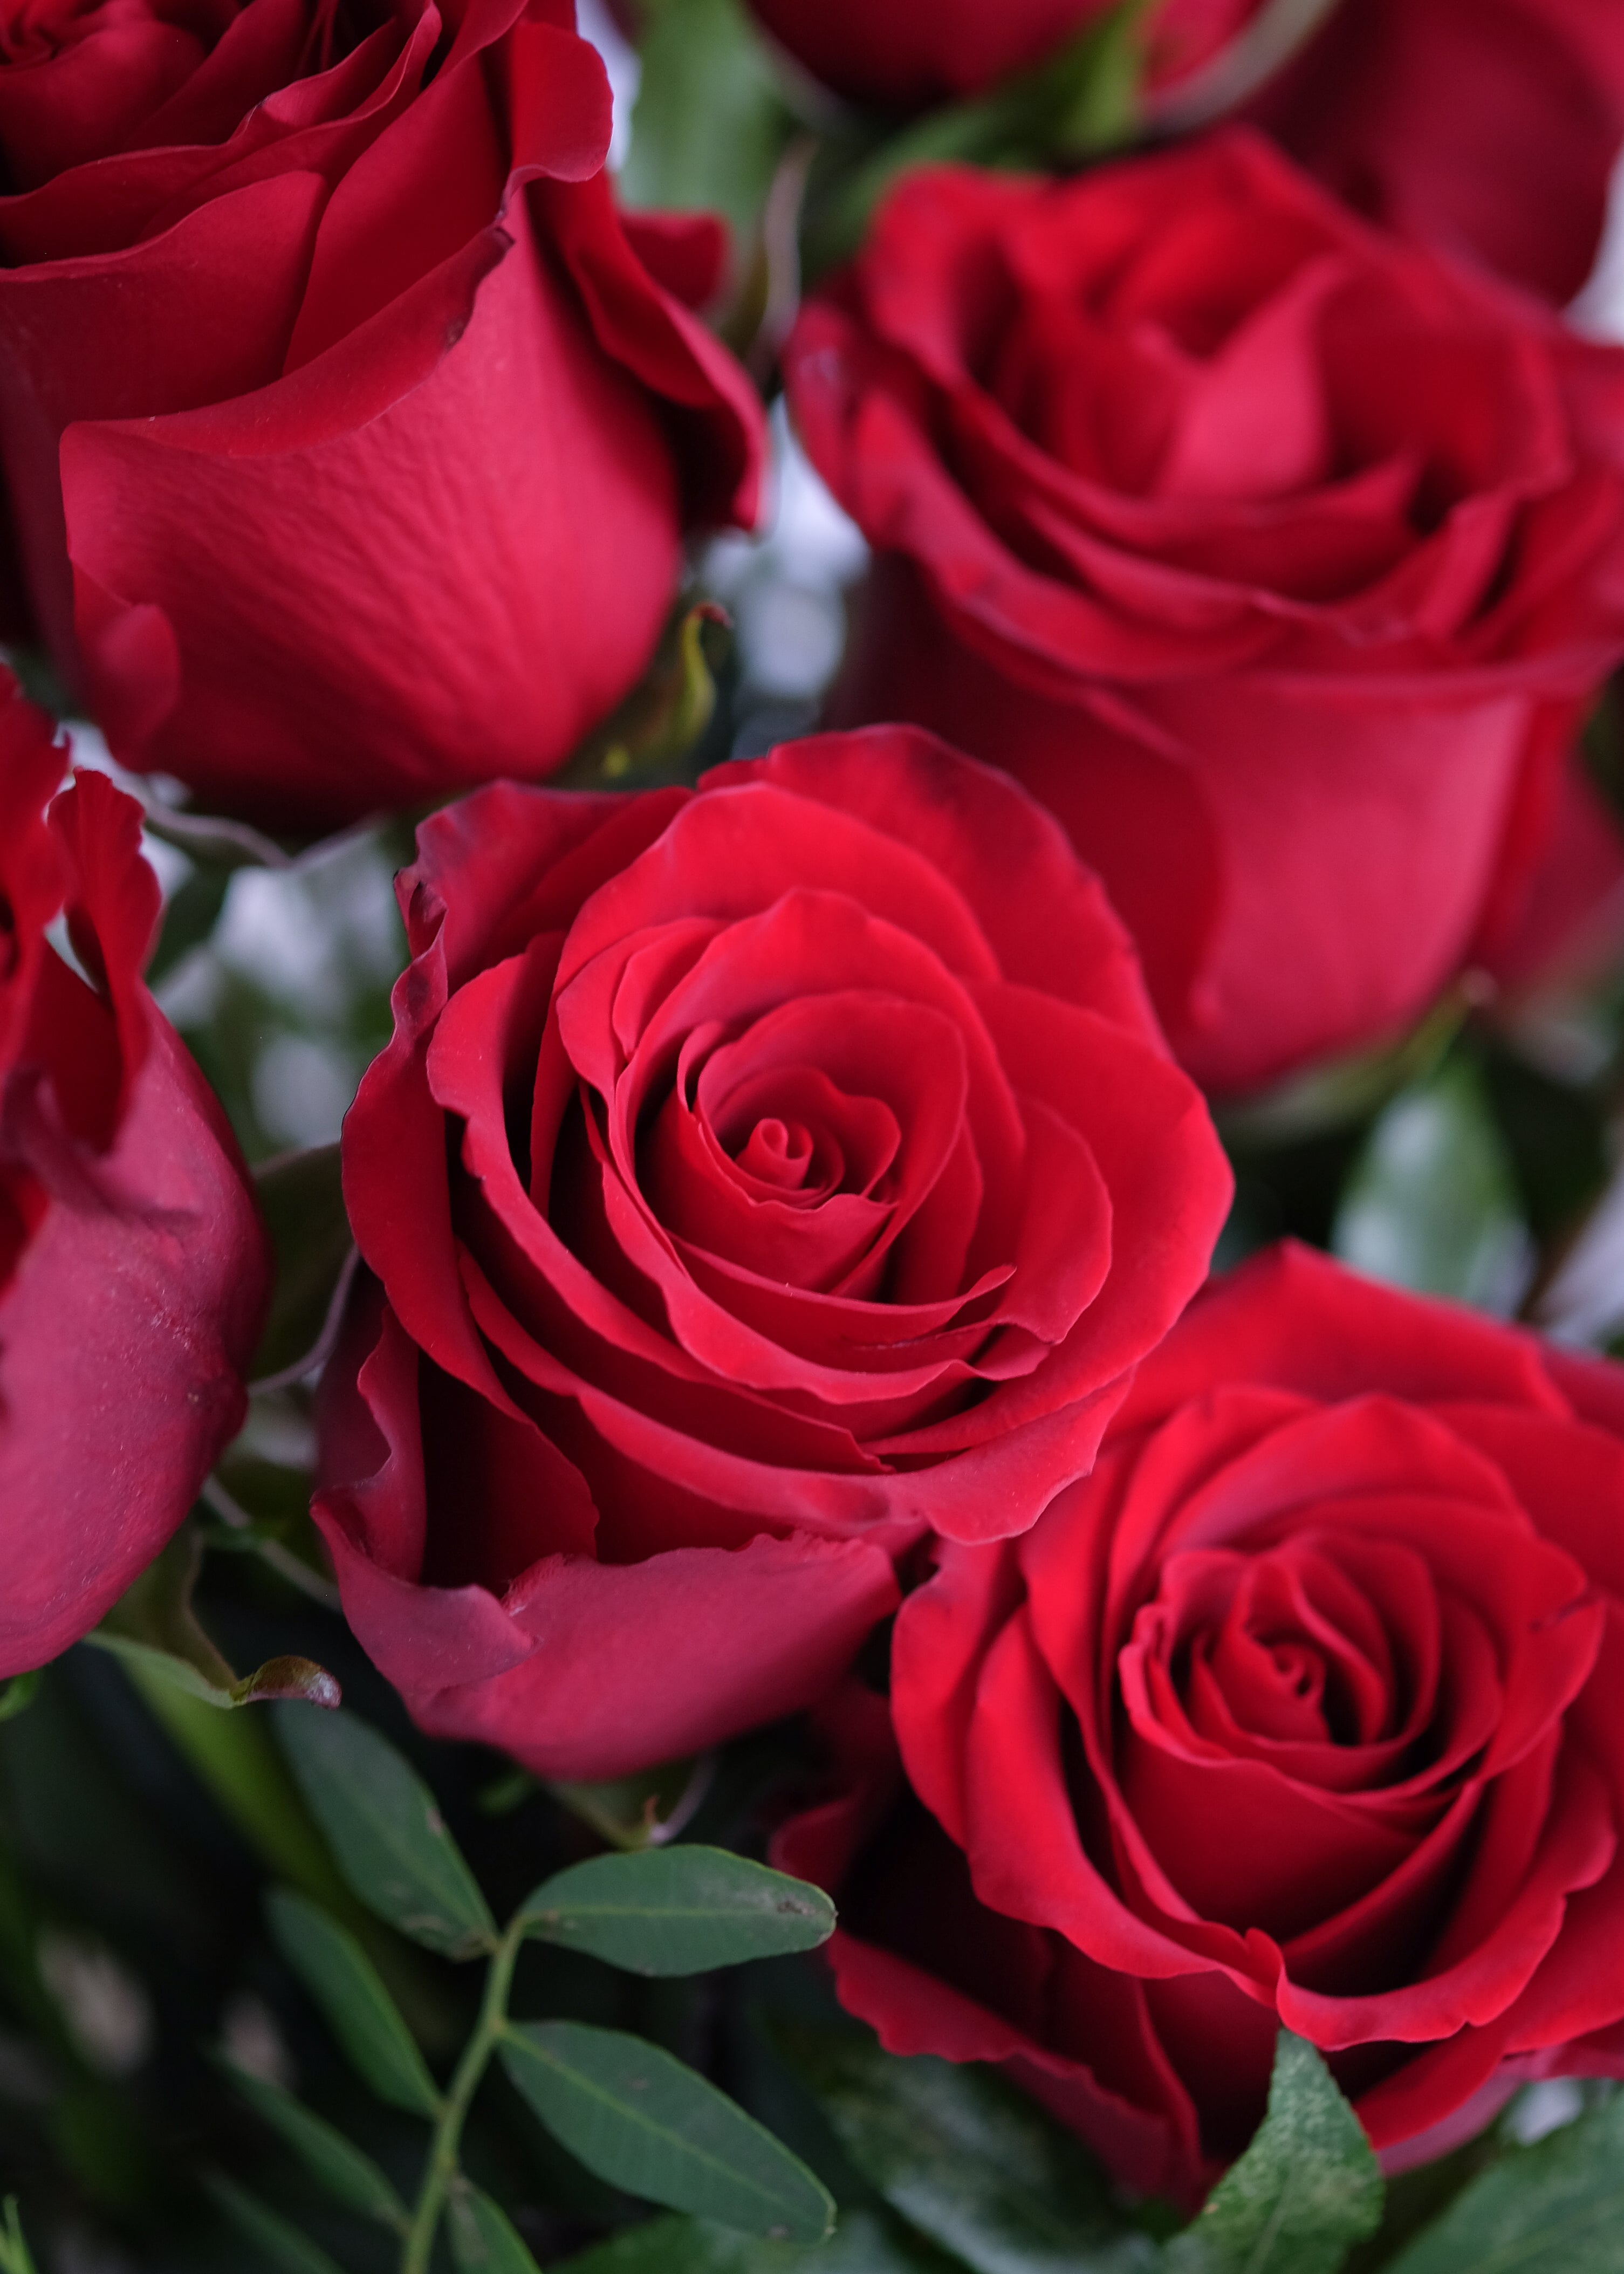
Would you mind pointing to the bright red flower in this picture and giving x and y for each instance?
(759, 1176)
(1306, 1708)
(1277, 556)
(350, 431)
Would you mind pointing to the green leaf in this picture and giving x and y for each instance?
(357, 2007)
(1556, 2208)
(14, 2254)
(646, 2123)
(386, 1831)
(964, 2157)
(275, 2238)
(678, 1911)
(860, 2244)
(18, 1694)
(709, 124)
(1432, 1202)
(303, 1201)
(348, 2176)
(484, 2238)
(1304, 2192)
(154, 1630)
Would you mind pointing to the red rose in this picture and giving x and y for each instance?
(134, 1271)
(1277, 557)
(758, 1176)
(1489, 127)
(370, 433)
(911, 52)
(1306, 1708)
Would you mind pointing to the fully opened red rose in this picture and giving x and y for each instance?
(350, 433)
(1277, 557)
(1306, 1707)
(133, 1271)
(758, 1176)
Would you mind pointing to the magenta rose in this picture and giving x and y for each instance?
(134, 1273)
(759, 1176)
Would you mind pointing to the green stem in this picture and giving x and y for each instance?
(441, 2169)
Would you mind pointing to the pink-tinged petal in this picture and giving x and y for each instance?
(1440, 2097)
(59, 111)
(1576, 1844)
(33, 880)
(125, 1328)
(429, 186)
(1026, 1857)
(114, 905)
(636, 1661)
(1003, 854)
(464, 613)
(237, 266)
(1115, 792)
(316, 125)
(653, 336)
(742, 844)
(1293, 1318)
(507, 861)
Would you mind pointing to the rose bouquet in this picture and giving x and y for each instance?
(811, 1060)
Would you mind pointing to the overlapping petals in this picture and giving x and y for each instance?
(1276, 558)
(349, 432)
(133, 1270)
(1301, 1710)
(817, 1176)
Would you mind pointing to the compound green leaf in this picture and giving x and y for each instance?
(678, 1911)
(646, 2123)
(349, 2177)
(275, 2238)
(386, 1831)
(862, 2243)
(965, 2158)
(484, 2238)
(1556, 2208)
(1304, 2192)
(358, 2010)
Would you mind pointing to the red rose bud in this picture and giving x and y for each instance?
(1306, 1709)
(1277, 557)
(759, 1175)
(1487, 127)
(908, 53)
(371, 426)
(133, 1271)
